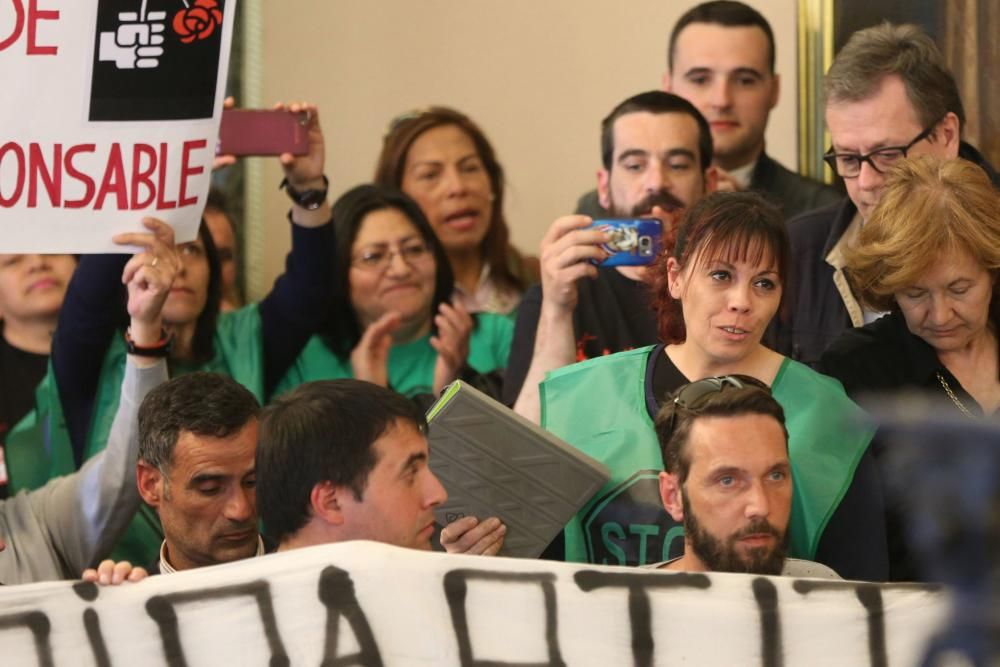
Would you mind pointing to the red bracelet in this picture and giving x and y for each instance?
(161, 348)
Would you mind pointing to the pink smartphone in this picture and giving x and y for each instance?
(262, 132)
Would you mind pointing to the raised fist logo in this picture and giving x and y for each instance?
(136, 43)
(197, 20)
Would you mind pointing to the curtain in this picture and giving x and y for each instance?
(971, 46)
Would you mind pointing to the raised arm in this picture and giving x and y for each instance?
(83, 514)
(296, 305)
(89, 317)
(567, 249)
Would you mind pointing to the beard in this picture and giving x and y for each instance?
(723, 556)
(644, 206)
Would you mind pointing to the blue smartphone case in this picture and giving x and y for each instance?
(634, 242)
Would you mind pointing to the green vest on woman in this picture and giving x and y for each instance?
(411, 365)
(599, 406)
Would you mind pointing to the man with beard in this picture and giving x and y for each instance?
(721, 57)
(728, 479)
(197, 442)
(656, 150)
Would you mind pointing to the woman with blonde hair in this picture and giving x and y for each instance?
(929, 256)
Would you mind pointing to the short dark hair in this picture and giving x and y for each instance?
(342, 331)
(905, 50)
(725, 13)
(729, 401)
(208, 404)
(655, 102)
(321, 432)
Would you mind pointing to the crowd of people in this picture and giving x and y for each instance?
(724, 384)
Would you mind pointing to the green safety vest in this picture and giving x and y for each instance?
(38, 448)
(599, 406)
(410, 365)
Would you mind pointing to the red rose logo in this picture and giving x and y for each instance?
(197, 21)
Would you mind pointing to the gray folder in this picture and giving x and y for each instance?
(493, 462)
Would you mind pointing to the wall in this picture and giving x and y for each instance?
(537, 76)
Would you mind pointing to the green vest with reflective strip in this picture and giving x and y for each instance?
(599, 406)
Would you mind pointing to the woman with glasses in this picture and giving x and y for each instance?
(929, 257)
(391, 321)
(718, 284)
(441, 159)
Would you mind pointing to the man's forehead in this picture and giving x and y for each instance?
(655, 133)
(195, 452)
(399, 444)
(885, 117)
(719, 47)
(743, 441)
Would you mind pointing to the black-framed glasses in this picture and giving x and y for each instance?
(690, 395)
(848, 165)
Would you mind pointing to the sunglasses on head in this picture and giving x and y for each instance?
(690, 395)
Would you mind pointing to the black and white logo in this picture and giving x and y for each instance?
(156, 59)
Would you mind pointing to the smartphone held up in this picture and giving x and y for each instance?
(634, 241)
(263, 132)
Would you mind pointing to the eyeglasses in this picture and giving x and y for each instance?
(848, 165)
(690, 395)
(379, 258)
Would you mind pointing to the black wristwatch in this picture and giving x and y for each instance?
(310, 200)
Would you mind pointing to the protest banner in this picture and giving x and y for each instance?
(111, 113)
(361, 603)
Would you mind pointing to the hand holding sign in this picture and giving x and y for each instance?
(149, 276)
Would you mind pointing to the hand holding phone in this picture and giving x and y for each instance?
(263, 132)
(634, 241)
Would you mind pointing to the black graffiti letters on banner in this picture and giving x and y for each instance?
(156, 60)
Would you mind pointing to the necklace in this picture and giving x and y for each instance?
(952, 396)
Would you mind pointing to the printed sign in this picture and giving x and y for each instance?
(111, 114)
(361, 603)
